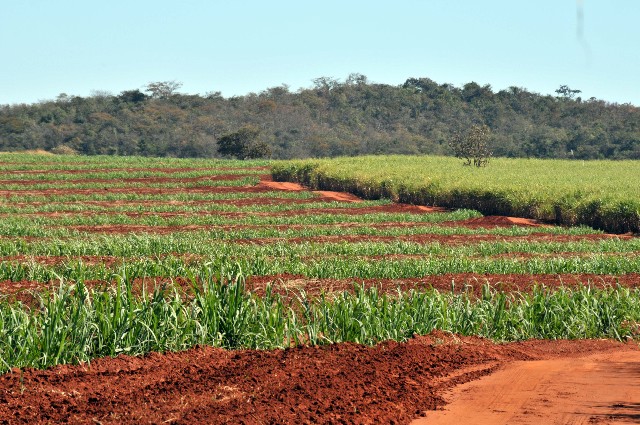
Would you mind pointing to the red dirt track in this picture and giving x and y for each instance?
(437, 378)
(595, 389)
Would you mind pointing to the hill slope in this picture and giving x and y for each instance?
(331, 118)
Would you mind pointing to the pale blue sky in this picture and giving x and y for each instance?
(236, 47)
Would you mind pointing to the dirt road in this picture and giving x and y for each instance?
(602, 388)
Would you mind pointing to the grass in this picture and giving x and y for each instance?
(601, 194)
(134, 197)
(248, 220)
(23, 161)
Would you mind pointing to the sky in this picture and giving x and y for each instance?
(80, 47)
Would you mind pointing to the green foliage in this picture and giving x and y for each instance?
(132, 96)
(331, 118)
(601, 194)
(567, 92)
(161, 89)
(242, 144)
(76, 324)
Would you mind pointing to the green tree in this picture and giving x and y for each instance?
(132, 96)
(473, 146)
(566, 92)
(243, 144)
(163, 89)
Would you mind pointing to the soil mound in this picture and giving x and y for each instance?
(281, 185)
(497, 221)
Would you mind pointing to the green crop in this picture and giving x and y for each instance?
(602, 194)
(75, 269)
(89, 250)
(76, 324)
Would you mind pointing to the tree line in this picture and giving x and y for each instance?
(329, 118)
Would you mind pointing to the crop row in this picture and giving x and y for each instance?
(23, 228)
(77, 324)
(220, 220)
(199, 243)
(601, 194)
(26, 162)
(125, 174)
(213, 207)
(184, 197)
(204, 182)
(334, 268)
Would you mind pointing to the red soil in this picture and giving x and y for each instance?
(28, 292)
(327, 194)
(339, 196)
(343, 383)
(599, 388)
(281, 185)
(496, 221)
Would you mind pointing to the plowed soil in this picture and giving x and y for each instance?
(343, 383)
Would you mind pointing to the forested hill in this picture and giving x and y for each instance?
(329, 119)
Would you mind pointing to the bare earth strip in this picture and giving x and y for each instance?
(601, 388)
(335, 196)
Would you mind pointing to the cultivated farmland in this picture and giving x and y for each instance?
(180, 291)
(601, 194)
